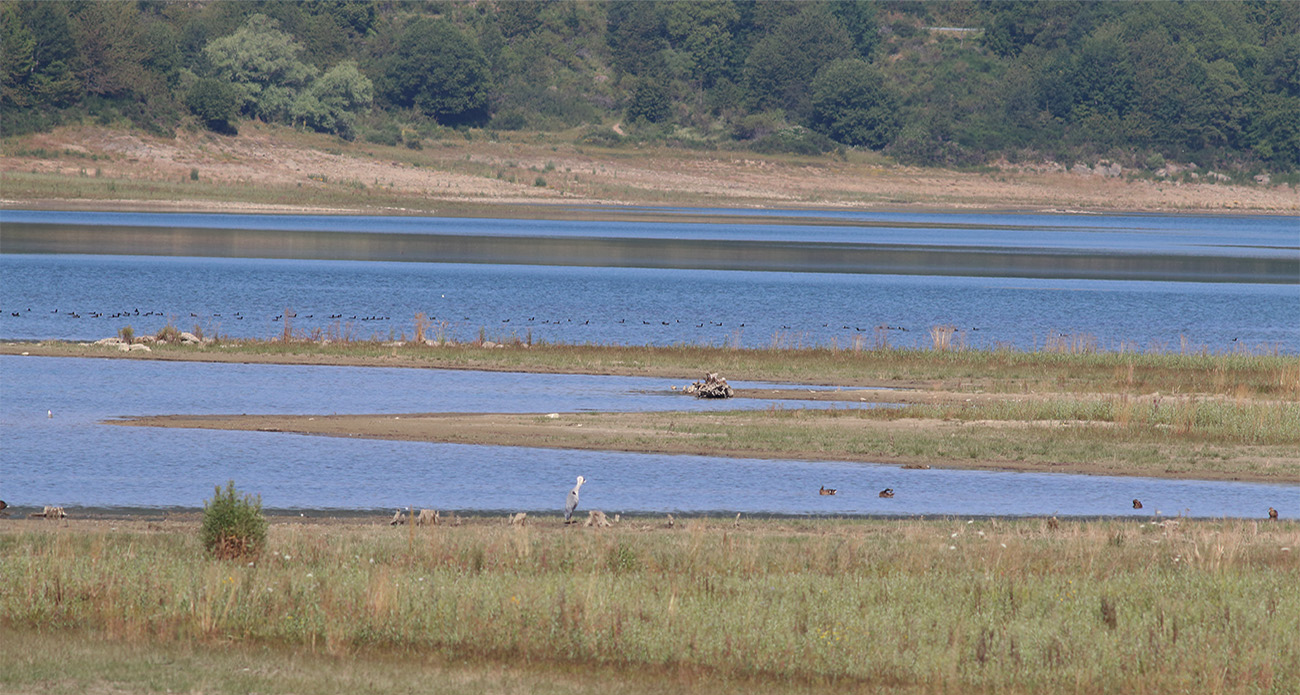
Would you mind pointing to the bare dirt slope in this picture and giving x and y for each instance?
(521, 169)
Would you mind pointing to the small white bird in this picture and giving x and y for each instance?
(571, 503)
(49, 413)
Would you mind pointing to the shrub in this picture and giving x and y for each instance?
(233, 526)
(127, 334)
(169, 333)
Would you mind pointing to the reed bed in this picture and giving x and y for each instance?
(918, 606)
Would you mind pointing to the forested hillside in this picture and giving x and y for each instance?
(950, 83)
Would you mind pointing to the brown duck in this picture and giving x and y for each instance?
(887, 492)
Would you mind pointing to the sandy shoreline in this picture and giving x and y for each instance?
(268, 169)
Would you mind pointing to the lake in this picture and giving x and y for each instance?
(74, 460)
(1024, 281)
(783, 278)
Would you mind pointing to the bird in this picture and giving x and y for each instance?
(826, 491)
(571, 503)
(887, 492)
(3, 505)
(1137, 504)
(49, 413)
(1272, 513)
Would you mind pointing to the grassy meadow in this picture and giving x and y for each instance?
(908, 606)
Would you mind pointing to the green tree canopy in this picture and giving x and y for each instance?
(783, 63)
(262, 63)
(440, 70)
(215, 102)
(851, 104)
(331, 102)
(650, 103)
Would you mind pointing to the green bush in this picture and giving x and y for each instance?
(233, 526)
(127, 334)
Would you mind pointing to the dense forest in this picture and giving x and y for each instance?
(949, 83)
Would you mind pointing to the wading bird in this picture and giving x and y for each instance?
(571, 503)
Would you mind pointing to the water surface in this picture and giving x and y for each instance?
(72, 459)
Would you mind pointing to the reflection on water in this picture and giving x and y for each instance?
(911, 251)
(73, 460)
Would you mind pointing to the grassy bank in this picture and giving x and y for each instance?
(1055, 369)
(1155, 437)
(908, 606)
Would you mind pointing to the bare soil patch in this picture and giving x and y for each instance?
(518, 169)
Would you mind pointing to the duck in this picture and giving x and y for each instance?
(1272, 513)
(1137, 504)
(887, 492)
(826, 491)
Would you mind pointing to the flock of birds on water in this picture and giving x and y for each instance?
(531, 320)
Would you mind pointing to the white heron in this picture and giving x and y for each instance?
(571, 503)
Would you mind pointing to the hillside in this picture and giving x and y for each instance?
(269, 167)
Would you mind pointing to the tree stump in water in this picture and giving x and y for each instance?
(713, 386)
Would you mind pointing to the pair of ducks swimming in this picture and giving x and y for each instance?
(887, 492)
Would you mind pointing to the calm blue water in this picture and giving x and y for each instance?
(85, 298)
(73, 460)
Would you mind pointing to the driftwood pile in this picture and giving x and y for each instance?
(713, 386)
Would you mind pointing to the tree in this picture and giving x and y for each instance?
(439, 70)
(650, 103)
(783, 63)
(701, 32)
(858, 17)
(215, 102)
(112, 55)
(262, 63)
(636, 37)
(330, 103)
(16, 61)
(851, 104)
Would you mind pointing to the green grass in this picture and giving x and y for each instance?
(916, 606)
